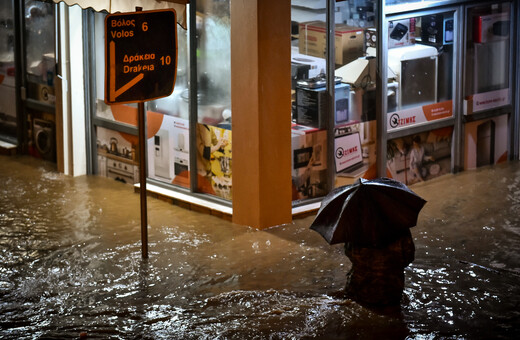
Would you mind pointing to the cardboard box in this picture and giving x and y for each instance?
(349, 41)
(401, 32)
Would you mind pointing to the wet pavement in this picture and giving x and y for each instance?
(70, 263)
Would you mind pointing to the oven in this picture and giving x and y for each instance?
(120, 171)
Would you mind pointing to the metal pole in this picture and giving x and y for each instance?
(381, 86)
(142, 179)
(142, 173)
(330, 53)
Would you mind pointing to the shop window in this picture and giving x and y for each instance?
(213, 133)
(488, 66)
(8, 116)
(354, 111)
(39, 47)
(420, 69)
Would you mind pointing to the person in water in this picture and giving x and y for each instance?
(377, 274)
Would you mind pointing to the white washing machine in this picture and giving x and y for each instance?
(44, 134)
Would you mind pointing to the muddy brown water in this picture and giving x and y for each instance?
(70, 262)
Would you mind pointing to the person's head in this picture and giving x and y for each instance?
(416, 140)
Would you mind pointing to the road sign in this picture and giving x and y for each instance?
(140, 55)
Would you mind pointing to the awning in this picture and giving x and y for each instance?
(113, 6)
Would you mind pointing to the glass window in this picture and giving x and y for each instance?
(309, 160)
(420, 69)
(214, 153)
(487, 57)
(8, 120)
(39, 45)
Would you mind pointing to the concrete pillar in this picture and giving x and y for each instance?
(261, 106)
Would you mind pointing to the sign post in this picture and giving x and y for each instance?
(140, 65)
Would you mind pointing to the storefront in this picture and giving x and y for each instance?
(27, 72)
(407, 89)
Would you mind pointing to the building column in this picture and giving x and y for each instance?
(261, 106)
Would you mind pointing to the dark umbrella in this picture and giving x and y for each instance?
(368, 213)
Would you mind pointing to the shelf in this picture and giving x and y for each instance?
(39, 106)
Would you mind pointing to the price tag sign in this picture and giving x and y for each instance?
(140, 56)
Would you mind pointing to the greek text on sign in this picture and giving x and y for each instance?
(141, 56)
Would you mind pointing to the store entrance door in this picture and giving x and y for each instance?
(8, 112)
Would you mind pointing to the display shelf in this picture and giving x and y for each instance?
(39, 106)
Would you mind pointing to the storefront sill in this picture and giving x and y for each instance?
(7, 148)
(187, 201)
(211, 208)
(306, 210)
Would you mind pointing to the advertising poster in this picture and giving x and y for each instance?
(486, 142)
(168, 151)
(117, 156)
(214, 158)
(420, 157)
(309, 163)
(419, 115)
(486, 101)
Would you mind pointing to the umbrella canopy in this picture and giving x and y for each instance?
(368, 213)
(113, 6)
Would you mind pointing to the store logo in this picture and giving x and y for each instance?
(394, 120)
(340, 152)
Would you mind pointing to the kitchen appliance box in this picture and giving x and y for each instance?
(401, 32)
(349, 41)
(491, 27)
(311, 106)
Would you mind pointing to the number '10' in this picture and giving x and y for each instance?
(166, 60)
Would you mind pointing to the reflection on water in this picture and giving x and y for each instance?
(70, 262)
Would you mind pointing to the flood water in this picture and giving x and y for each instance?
(70, 262)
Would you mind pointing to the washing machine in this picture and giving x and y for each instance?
(44, 134)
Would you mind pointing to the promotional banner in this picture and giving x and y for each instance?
(419, 115)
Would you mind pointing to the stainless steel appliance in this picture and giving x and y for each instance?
(416, 69)
(45, 138)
